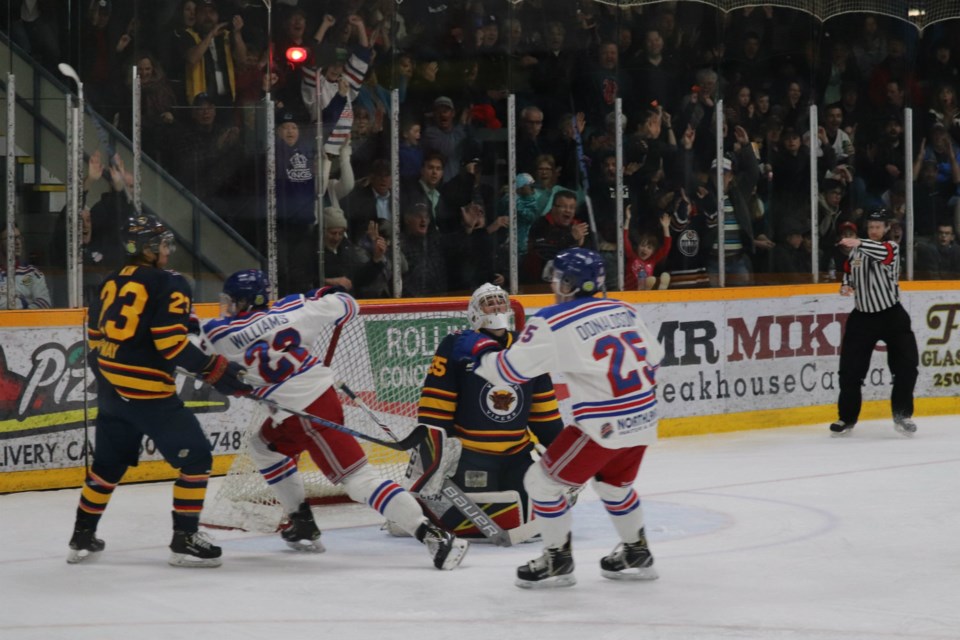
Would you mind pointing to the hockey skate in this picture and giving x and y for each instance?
(83, 545)
(629, 561)
(193, 549)
(905, 426)
(303, 533)
(552, 569)
(841, 429)
(446, 549)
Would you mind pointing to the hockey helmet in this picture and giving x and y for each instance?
(489, 308)
(245, 289)
(145, 231)
(578, 273)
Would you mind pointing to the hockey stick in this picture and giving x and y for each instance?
(412, 439)
(455, 494)
(585, 181)
(415, 437)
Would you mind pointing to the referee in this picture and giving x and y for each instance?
(870, 275)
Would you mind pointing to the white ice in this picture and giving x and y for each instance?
(781, 533)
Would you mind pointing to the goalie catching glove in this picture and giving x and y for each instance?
(225, 376)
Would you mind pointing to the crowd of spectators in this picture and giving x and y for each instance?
(205, 67)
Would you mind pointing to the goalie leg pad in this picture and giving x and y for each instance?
(503, 507)
(433, 460)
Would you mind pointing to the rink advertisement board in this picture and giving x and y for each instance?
(745, 362)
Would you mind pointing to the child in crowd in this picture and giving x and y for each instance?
(649, 253)
(411, 154)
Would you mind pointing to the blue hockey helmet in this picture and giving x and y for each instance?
(245, 289)
(578, 273)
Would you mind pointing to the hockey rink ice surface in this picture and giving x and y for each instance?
(772, 534)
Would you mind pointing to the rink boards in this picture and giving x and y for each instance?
(735, 359)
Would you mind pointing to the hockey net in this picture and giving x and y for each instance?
(383, 356)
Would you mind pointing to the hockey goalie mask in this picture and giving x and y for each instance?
(489, 308)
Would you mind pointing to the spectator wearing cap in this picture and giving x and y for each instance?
(469, 186)
(829, 211)
(424, 259)
(446, 136)
(338, 82)
(528, 210)
(344, 263)
(296, 189)
(729, 223)
(423, 87)
(218, 48)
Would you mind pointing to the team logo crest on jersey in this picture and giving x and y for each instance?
(689, 243)
(606, 430)
(501, 403)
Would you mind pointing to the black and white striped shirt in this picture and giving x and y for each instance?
(872, 270)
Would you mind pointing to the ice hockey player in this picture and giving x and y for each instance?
(137, 332)
(498, 425)
(276, 340)
(609, 360)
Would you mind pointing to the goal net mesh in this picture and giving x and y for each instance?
(383, 356)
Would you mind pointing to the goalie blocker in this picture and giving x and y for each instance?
(490, 516)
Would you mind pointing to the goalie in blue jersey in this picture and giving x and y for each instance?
(498, 427)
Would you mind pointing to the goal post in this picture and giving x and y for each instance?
(383, 356)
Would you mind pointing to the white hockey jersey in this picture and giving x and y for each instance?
(608, 359)
(277, 345)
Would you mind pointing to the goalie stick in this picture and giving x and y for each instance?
(451, 491)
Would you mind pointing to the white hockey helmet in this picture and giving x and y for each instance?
(489, 308)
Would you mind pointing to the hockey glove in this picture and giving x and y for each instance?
(226, 377)
(466, 351)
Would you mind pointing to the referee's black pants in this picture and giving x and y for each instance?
(861, 335)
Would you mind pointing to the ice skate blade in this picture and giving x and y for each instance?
(841, 434)
(458, 552)
(76, 556)
(636, 573)
(306, 546)
(904, 432)
(566, 580)
(186, 560)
